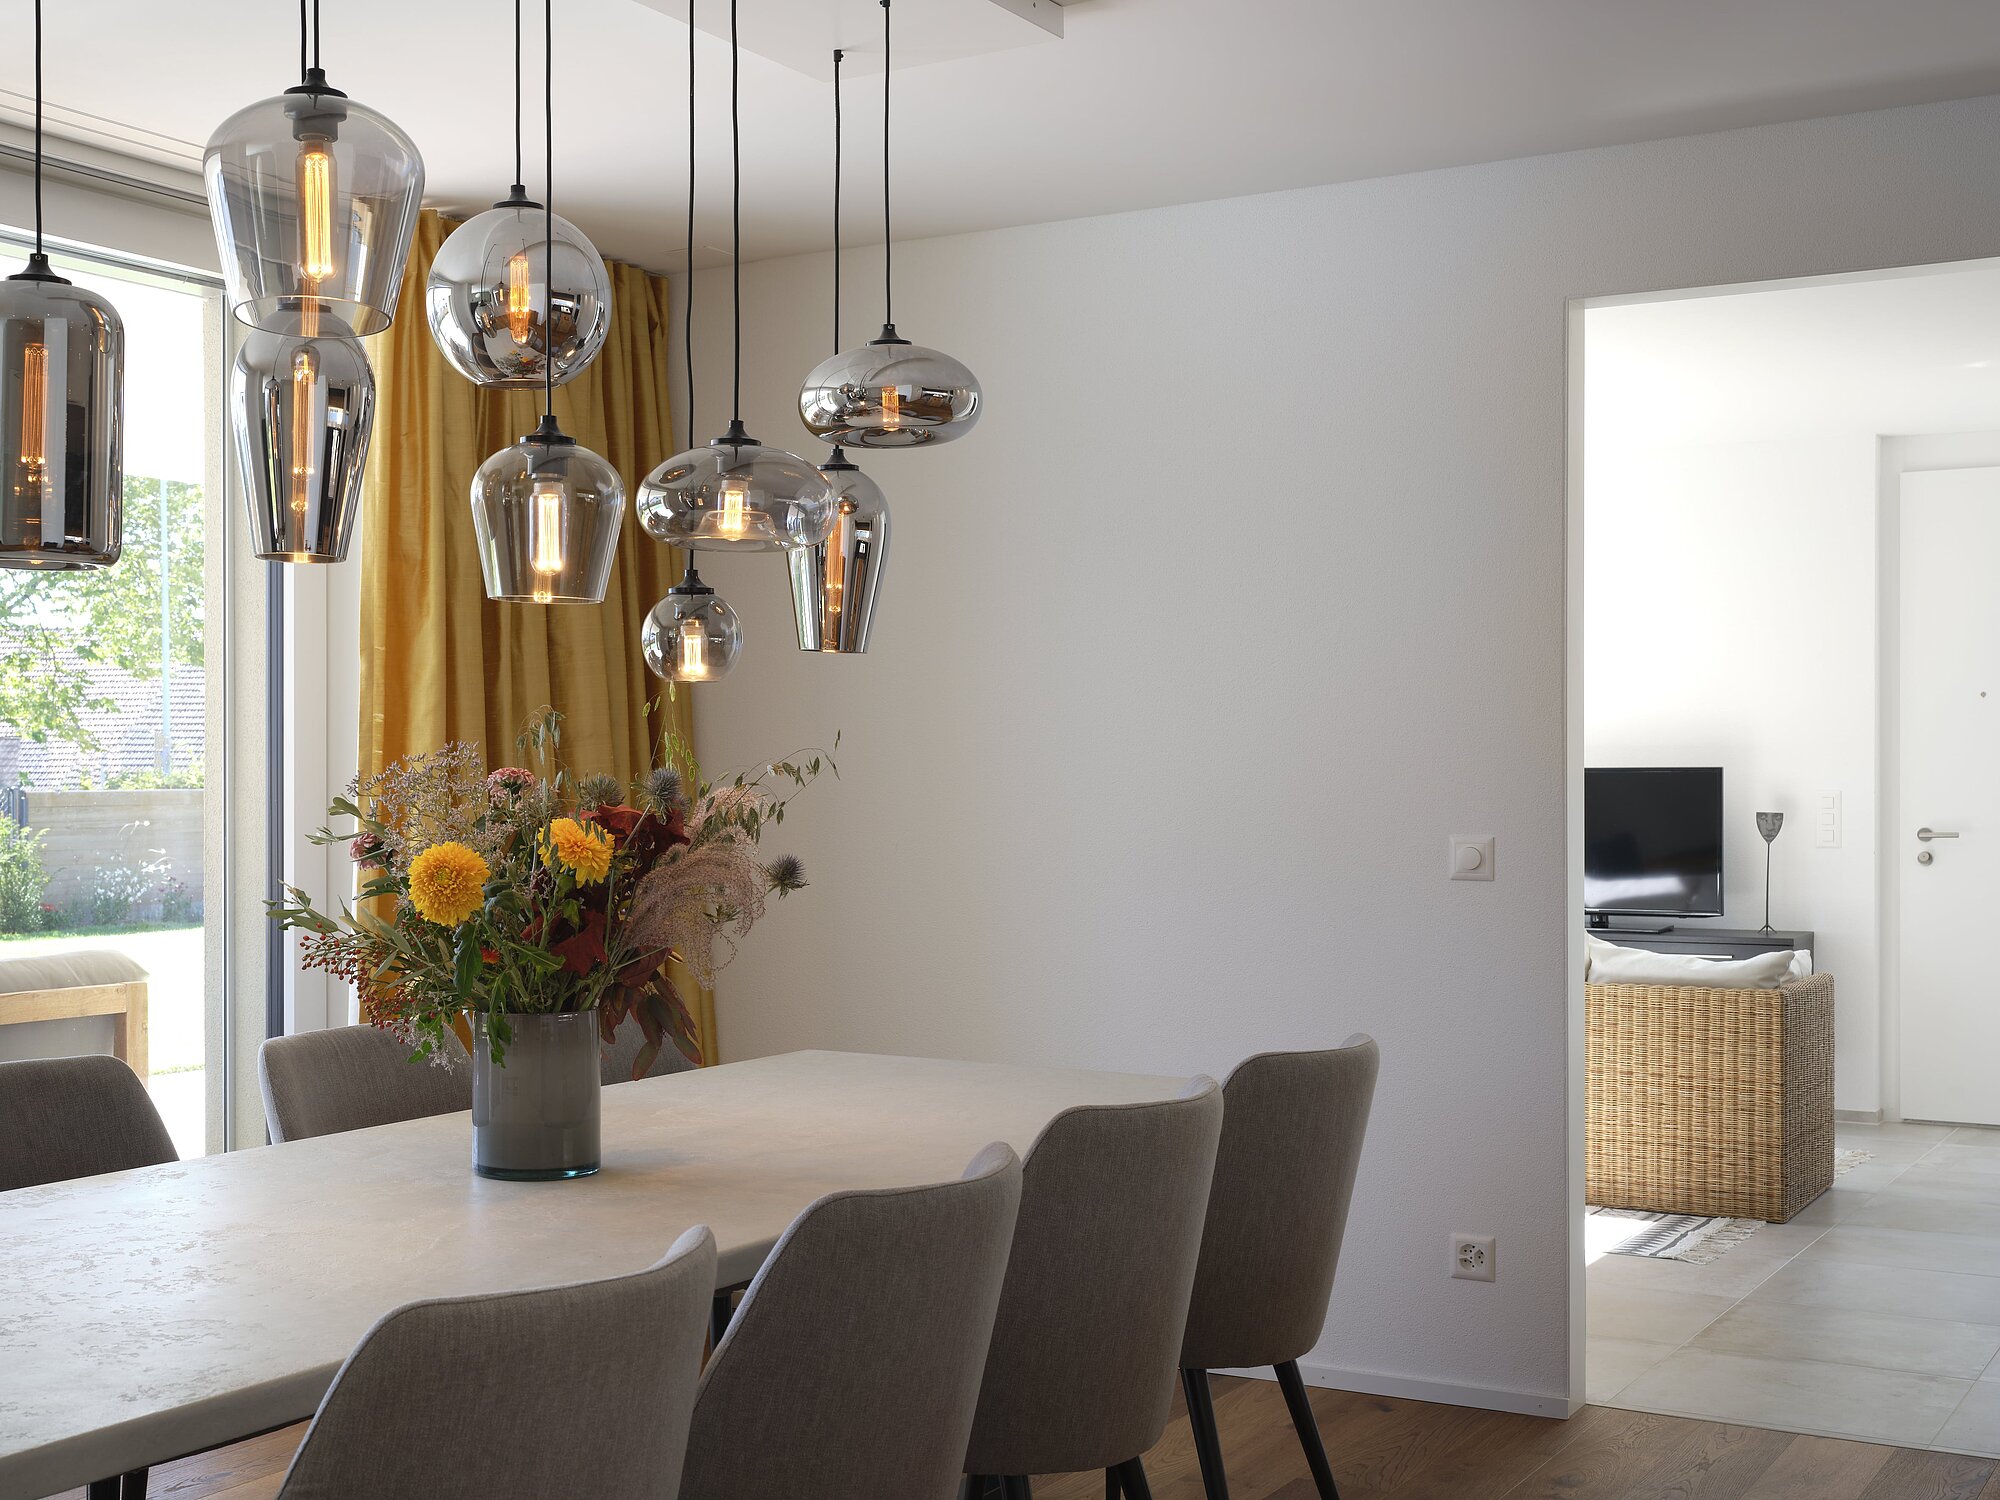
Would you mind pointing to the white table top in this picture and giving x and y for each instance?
(148, 1314)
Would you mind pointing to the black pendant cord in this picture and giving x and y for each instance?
(837, 56)
(39, 257)
(305, 38)
(316, 57)
(888, 238)
(736, 221)
(548, 213)
(687, 313)
(520, 190)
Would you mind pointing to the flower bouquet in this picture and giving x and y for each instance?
(538, 910)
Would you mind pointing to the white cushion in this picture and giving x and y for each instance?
(1611, 964)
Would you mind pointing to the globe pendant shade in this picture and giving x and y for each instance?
(546, 513)
(496, 306)
(62, 361)
(736, 495)
(303, 407)
(835, 584)
(890, 394)
(313, 198)
(692, 635)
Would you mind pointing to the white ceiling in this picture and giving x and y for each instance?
(1898, 355)
(1141, 103)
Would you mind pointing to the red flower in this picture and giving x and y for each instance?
(584, 950)
(643, 836)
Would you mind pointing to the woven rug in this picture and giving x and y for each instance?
(1689, 1237)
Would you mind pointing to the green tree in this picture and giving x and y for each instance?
(109, 615)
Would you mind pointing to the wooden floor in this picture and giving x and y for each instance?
(1410, 1450)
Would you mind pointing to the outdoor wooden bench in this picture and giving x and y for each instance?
(66, 986)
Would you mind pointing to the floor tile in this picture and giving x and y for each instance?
(1612, 1364)
(1949, 1177)
(1897, 1208)
(1651, 1314)
(1905, 1290)
(1973, 1135)
(1984, 1159)
(1846, 1335)
(1734, 1275)
(1969, 1253)
(1883, 1406)
(1975, 1426)
(1834, 1206)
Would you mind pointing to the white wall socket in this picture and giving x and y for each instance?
(1472, 1257)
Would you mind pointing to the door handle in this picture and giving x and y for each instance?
(1925, 835)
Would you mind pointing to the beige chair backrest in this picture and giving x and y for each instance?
(1083, 1363)
(851, 1369)
(64, 1117)
(351, 1077)
(560, 1391)
(1284, 1176)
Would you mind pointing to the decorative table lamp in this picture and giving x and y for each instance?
(1768, 824)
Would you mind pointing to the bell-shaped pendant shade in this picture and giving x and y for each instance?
(692, 635)
(836, 584)
(314, 199)
(62, 361)
(890, 393)
(736, 495)
(303, 407)
(496, 306)
(546, 513)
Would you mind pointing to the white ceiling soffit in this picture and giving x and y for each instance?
(801, 34)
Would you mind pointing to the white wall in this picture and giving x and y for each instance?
(1730, 620)
(1247, 593)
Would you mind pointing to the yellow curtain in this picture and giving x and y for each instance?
(439, 661)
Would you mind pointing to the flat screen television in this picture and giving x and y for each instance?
(1652, 842)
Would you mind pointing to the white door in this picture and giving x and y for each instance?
(1945, 840)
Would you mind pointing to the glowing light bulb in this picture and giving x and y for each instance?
(892, 408)
(545, 532)
(836, 554)
(520, 297)
(316, 195)
(693, 666)
(34, 418)
(730, 516)
(304, 377)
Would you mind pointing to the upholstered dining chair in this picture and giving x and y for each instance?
(66, 1117)
(351, 1077)
(564, 1390)
(1081, 1370)
(1284, 1176)
(851, 1370)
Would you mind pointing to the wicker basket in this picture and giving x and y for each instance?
(1709, 1101)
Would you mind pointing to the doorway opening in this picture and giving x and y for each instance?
(1786, 527)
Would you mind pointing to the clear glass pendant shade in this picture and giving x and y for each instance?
(62, 391)
(314, 199)
(495, 307)
(836, 584)
(736, 495)
(890, 394)
(546, 513)
(692, 635)
(303, 407)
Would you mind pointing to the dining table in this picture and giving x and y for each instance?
(150, 1314)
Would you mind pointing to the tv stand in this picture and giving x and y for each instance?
(1597, 923)
(1708, 942)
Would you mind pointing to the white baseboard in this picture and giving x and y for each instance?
(1858, 1116)
(1374, 1383)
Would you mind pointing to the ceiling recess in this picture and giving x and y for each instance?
(801, 34)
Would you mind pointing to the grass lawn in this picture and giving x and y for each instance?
(119, 930)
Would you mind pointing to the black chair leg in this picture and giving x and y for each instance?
(1207, 1441)
(104, 1489)
(979, 1486)
(1113, 1490)
(1294, 1387)
(1017, 1487)
(133, 1485)
(1132, 1475)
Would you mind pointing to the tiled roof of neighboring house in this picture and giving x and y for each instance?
(128, 736)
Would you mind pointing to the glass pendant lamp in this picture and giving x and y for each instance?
(889, 393)
(835, 584)
(736, 495)
(692, 635)
(506, 292)
(303, 407)
(314, 198)
(62, 393)
(547, 511)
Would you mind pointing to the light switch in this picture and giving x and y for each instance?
(1826, 833)
(1471, 856)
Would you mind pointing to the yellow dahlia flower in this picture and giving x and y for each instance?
(582, 849)
(446, 883)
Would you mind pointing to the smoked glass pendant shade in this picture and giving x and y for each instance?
(836, 584)
(303, 406)
(498, 300)
(736, 495)
(62, 385)
(890, 393)
(692, 635)
(313, 198)
(546, 513)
